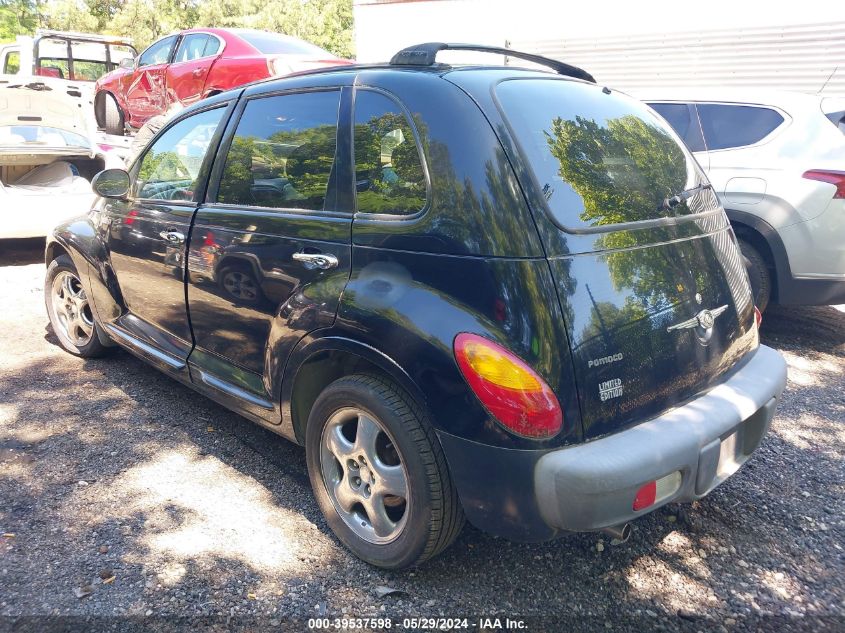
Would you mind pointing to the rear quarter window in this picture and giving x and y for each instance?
(389, 175)
(599, 158)
(729, 126)
(683, 122)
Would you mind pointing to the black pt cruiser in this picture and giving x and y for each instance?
(484, 292)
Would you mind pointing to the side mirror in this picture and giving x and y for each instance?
(127, 62)
(111, 183)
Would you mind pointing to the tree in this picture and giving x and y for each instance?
(18, 17)
(70, 15)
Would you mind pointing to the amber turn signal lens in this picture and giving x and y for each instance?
(508, 388)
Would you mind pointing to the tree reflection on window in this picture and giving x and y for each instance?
(389, 176)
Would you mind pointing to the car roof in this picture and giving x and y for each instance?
(777, 98)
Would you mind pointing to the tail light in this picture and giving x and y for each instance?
(130, 217)
(758, 316)
(833, 177)
(508, 388)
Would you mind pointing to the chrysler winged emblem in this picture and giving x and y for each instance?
(704, 319)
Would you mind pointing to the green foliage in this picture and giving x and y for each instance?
(70, 15)
(326, 23)
(18, 17)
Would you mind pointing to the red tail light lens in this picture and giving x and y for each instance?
(758, 316)
(646, 496)
(657, 490)
(508, 388)
(833, 177)
(130, 217)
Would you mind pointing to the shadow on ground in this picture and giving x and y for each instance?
(108, 465)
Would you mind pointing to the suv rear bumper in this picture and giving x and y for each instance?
(534, 495)
(593, 485)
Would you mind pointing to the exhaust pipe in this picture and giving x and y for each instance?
(619, 532)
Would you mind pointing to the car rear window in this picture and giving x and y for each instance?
(678, 116)
(728, 126)
(600, 158)
(274, 44)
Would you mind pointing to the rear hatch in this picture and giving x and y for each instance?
(652, 286)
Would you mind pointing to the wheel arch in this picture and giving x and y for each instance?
(319, 362)
(762, 236)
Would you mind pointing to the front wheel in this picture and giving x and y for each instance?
(69, 310)
(379, 474)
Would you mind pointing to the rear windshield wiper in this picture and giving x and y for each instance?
(673, 201)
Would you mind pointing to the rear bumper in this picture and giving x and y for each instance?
(593, 485)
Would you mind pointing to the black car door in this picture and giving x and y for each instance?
(270, 249)
(147, 233)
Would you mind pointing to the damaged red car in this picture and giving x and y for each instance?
(196, 63)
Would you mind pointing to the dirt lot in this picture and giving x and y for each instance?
(123, 487)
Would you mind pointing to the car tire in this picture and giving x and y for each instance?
(71, 315)
(402, 451)
(758, 275)
(113, 117)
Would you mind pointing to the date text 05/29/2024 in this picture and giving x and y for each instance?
(418, 624)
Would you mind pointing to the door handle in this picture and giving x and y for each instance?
(323, 261)
(198, 72)
(172, 237)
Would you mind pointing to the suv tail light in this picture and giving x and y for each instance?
(508, 388)
(833, 177)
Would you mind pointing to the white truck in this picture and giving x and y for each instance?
(49, 144)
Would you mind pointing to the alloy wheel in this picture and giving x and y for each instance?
(364, 475)
(72, 310)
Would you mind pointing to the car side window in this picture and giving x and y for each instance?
(389, 175)
(158, 53)
(728, 126)
(283, 152)
(678, 116)
(191, 47)
(170, 167)
(212, 46)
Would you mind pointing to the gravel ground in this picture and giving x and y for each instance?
(121, 486)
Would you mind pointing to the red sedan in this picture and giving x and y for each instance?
(192, 64)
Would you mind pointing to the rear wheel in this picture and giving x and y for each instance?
(758, 275)
(112, 116)
(379, 474)
(69, 310)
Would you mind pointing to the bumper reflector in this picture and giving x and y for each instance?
(657, 490)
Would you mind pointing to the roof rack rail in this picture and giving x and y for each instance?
(425, 54)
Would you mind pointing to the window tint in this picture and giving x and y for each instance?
(12, 64)
(170, 167)
(282, 152)
(678, 116)
(191, 47)
(388, 173)
(158, 53)
(735, 126)
(599, 158)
